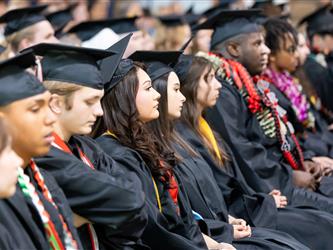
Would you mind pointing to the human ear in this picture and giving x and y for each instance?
(56, 103)
(233, 49)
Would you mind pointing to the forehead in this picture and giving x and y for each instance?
(255, 36)
(87, 92)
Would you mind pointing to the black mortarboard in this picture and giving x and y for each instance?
(71, 64)
(261, 3)
(229, 23)
(183, 66)
(109, 65)
(19, 19)
(15, 82)
(122, 70)
(61, 18)
(223, 5)
(319, 21)
(158, 63)
(172, 20)
(87, 30)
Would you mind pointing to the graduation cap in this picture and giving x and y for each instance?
(229, 23)
(260, 3)
(71, 64)
(19, 19)
(172, 20)
(59, 19)
(87, 30)
(319, 21)
(109, 65)
(183, 66)
(158, 63)
(124, 66)
(15, 82)
(223, 5)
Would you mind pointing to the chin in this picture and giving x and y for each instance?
(43, 150)
(86, 131)
(8, 193)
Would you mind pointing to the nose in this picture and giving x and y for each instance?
(157, 95)
(217, 83)
(297, 54)
(265, 49)
(51, 117)
(98, 111)
(183, 98)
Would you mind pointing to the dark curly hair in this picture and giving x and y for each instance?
(276, 30)
(122, 118)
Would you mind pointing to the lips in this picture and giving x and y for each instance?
(49, 138)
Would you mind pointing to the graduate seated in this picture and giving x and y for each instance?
(25, 27)
(310, 127)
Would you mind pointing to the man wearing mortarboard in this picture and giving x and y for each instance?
(26, 27)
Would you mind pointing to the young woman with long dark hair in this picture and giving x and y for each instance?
(130, 101)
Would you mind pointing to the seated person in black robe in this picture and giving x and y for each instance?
(129, 102)
(309, 125)
(318, 65)
(37, 215)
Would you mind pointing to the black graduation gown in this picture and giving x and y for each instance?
(321, 79)
(253, 150)
(112, 202)
(22, 221)
(258, 209)
(61, 202)
(6, 240)
(165, 230)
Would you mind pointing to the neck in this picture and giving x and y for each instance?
(200, 109)
(26, 158)
(273, 67)
(62, 132)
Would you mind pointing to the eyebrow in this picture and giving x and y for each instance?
(147, 81)
(39, 102)
(176, 84)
